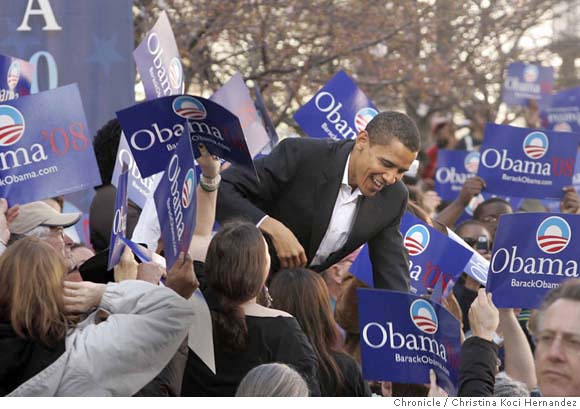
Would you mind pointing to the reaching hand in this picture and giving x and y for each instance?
(483, 316)
(7, 216)
(289, 250)
(181, 278)
(472, 187)
(127, 267)
(570, 202)
(80, 298)
(431, 201)
(435, 391)
(150, 272)
(210, 164)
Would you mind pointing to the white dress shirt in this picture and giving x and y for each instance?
(341, 221)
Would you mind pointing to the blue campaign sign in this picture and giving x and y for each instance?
(153, 129)
(563, 114)
(453, 169)
(15, 78)
(429, 260)
(234, 95)
(477, 266)
(158, 62)
(525, 82)
(175, 201)
(362, 267)
(45, 147)
(526, 162)
(340, 110)
(119, 229)
(532, 253)
(403, 336)
(139, 188)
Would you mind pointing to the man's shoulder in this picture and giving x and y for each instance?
(396, 190)
(315, 144)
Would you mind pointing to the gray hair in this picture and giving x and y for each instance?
(506, 387)
(273, 380)
(38, 231)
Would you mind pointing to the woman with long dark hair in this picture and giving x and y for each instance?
(245, 334)
(303, 293)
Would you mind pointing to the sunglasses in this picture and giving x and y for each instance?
(481, 243)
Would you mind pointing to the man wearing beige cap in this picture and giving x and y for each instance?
(41, 220)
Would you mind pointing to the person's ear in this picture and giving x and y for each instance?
(362, 140)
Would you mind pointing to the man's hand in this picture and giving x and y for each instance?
(181, 278)
(435, 391)
(7, 216)
(127, 267)
(150, 272)
(289, 250)
(209, 164)
(570, 202)
(472, 187)
(431, 201)
(80, 298)
(483, 316)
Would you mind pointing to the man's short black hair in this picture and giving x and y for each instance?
(388, 125)
(479, 209)
(105, 144)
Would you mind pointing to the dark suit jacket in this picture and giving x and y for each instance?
(299, 183)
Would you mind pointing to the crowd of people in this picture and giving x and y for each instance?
(275, 277)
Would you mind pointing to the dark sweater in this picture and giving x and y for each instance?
(477, 368)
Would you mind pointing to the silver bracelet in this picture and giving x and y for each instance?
(210, 184)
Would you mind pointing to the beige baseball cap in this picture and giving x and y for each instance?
(34, 214)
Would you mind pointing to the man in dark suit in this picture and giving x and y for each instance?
(318, 200)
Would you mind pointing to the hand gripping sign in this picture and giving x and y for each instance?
(402, 336)
(532, 253)
(453, 169)
(526, 162)
(234, 95)
(45, 147)
(158, 63)
(119, 230)
(154, 128)
(176, 201)
(15, 78)
(525, 82)
(563, 114)
(340, 110)
(429, 256)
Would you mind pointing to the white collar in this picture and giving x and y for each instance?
(357, 191)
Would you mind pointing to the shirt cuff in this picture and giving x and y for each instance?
(261, 221)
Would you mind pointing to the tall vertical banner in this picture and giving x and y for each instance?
(532, 254)
(119, 230)
(158, 62)
(175, 201)
(429, 261)
(72, 42)
(403, 336)
(340, 110)
(15, 78)
(526, 162)
(453, 169)
(525, 82)
(563, 114)
(234, 95)
(45, 149)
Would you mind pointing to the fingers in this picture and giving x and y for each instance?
(3, 205)
(12, 213)
(127, 255)
(73, 285)
(432, 379)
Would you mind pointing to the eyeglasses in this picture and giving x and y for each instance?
(57, 232)
(570, 342)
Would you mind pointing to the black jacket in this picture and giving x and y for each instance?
(477, 368)
(299, 184)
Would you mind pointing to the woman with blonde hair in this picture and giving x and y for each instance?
(45, 354)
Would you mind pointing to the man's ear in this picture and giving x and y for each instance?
(362, 140)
